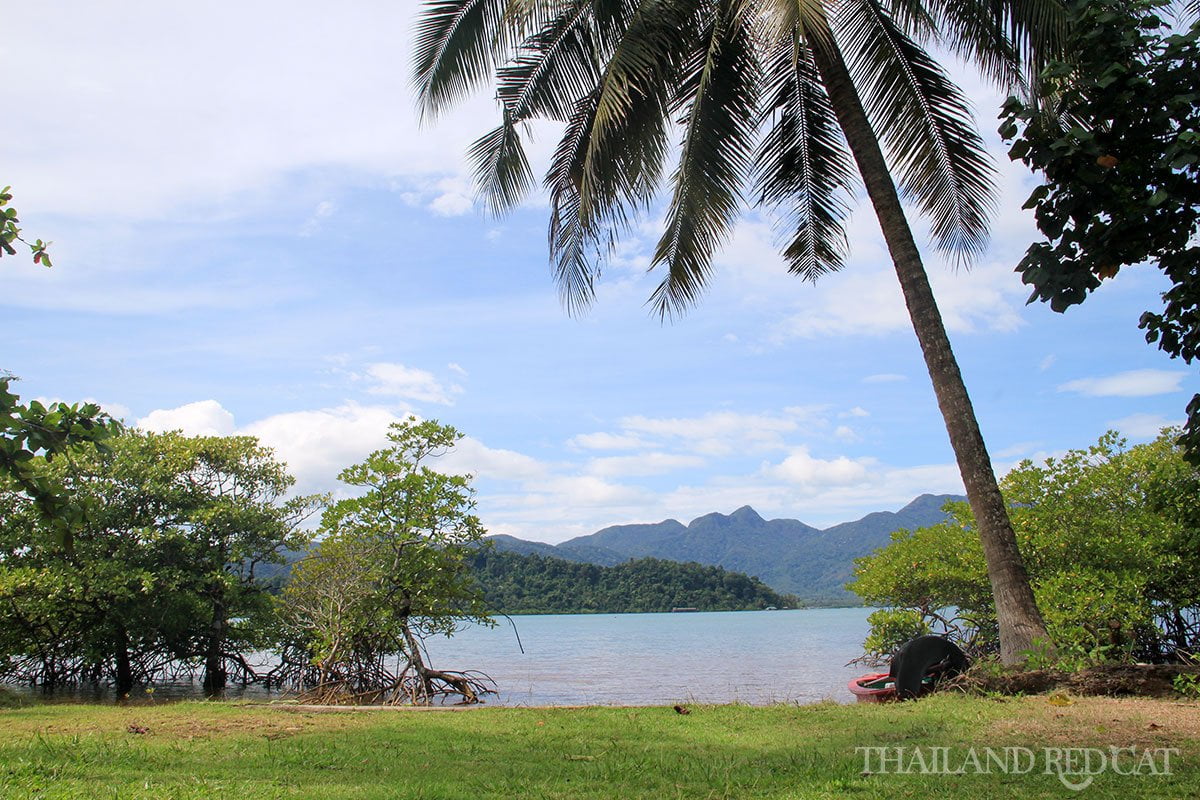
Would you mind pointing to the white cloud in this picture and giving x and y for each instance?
(397, 380)
(202, 418)
(1134, 383)
(885, 377)
(721, 432)
(802, 469)
(864, 299)
(857, 411)
(1143, 426)
(323, 211)
(902, 484)
(606, 441)
(1047, 362)
(852, 303)
(454, 197)
(318, 444)
(846, 433)
(188, 105)
(527, 497)
(642, 464)
(1018, 449)
(588, 492)
(474, 457)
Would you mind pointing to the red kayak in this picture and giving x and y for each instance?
(878, 687)
(917, 667)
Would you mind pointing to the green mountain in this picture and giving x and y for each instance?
(786, 554)
(514, 583)
(583, 553)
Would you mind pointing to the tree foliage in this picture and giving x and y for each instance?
(1112, 541)
(515, 584)
(392, 568)
(1118, 147)
(9, 232)
(169, 567)
(162, 561)
(31, 436)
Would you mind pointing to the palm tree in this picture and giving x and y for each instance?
(779, 97)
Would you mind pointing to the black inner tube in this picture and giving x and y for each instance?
(933, 656)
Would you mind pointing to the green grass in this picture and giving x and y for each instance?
(191, 750)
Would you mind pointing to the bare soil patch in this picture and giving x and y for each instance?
(1101, 721)
(166, 722)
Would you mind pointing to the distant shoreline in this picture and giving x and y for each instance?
(667, 612)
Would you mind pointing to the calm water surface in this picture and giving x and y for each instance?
(613, 659)
(754, 657)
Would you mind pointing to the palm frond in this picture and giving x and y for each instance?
(924, 121)
(803, 168)
(553, 67)
(574, 272)
(914, 17)
(780, 18)
(455, 46)
(975, 30)
(1038, 30)
(1011, 41)
(502, 173)
(720, 90)
(608, 162)
(627, 143)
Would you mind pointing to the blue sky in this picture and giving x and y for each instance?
(252, 234)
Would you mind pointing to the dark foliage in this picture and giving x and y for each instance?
(1119, 150)
(514, 583)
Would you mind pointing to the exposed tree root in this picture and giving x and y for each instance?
(1144, 680)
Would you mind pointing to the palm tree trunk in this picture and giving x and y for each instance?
(1021, 625)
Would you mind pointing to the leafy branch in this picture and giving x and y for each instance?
(9, 233)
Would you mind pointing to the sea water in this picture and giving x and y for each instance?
(755, 657)
(752, 657)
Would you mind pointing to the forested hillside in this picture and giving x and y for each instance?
(515, 583)
(787, 554)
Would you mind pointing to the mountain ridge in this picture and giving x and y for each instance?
(788, 555)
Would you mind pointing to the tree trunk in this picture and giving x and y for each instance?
(124, 667)
(215, 677)
(417, 662)
(1021, 625)
(461, 684)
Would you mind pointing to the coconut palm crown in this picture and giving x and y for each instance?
(780, 104)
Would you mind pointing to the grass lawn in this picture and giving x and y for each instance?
(191, 750)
